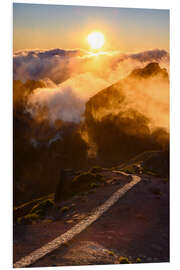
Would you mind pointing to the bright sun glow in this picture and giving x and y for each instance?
(96, 40)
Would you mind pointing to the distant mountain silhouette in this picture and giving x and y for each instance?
(115, 91)
(120, 131)
(152, 69)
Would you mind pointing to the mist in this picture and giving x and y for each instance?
(65, 101)
(88, 74)
(59, 65)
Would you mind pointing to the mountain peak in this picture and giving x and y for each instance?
(152, 69)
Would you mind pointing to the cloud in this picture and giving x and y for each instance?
(38, 64)
(65, 101)
(148, 96)
(152, 55)
(59, 65)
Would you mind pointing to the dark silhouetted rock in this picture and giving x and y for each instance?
(64, 185)
(152, 69)
(70, 184)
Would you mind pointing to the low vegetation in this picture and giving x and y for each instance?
(64, 209)
(86, 181)
(138, 260)
(37, 212)
(133, 169)
(111, 253)
(88, 177)
(28, 219)
(153, 163)
(94, 185)
(96, 169)
(42, 207)
(123, 260)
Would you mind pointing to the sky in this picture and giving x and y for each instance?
(38, 26)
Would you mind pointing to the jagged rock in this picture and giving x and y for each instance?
(152, 69)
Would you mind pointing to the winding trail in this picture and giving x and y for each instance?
(67, 236)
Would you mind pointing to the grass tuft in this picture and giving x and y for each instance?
(96, 169)
(123, 260)
(64, 209)
(42, 207)
(28, 219)
(94, 185)
(111, 253)
(138, 260)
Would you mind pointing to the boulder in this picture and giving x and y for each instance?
(64, 185)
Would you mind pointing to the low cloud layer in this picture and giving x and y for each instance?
(39, 64)
(72, 77)
(58, 65)
(65, 101)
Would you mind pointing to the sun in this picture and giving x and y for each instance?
(95, 40)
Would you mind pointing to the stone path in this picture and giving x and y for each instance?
(64, 238)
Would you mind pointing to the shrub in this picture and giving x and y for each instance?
(132, 169)
(87, 177)
(41, 208)
(85, 181)
(111, 253)
(94, 185)
(28, 219)
(64, 209)
(138, 260)
(150, 172)
(96, 169)
(123, 260)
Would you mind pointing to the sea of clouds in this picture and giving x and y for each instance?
(72, 77)
(58, 65)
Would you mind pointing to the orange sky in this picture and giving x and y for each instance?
(127, 30)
